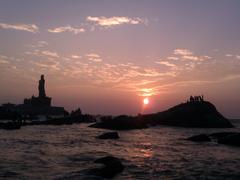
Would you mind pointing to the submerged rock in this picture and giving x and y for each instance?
(200, 138)
(220, 135)
(233, 140)
(109, 135)
(112, 167)
(227, 138)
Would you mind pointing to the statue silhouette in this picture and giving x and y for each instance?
(41, 88)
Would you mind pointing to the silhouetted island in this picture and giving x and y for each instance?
(194, 113)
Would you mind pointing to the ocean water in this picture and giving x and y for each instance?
(68, 152)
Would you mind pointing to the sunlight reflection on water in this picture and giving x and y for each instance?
(160, 152)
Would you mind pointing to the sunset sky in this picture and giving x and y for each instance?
(105, 56)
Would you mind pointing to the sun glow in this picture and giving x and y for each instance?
(146, 101)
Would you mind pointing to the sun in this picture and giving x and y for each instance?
(146, 101)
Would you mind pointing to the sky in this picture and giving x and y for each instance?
(106, 56)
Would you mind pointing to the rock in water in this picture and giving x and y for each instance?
(109, 135)
(200, 138)
(233, 140)
(220, 135)
(200, 114)
(122, 122)
(227, 138)
(10, 125)
(112, 166)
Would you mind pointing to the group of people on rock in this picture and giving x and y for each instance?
(196, 98)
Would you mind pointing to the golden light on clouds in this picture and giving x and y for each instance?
(139, 50)
(115, 20)
(68, 28)
(23, 27)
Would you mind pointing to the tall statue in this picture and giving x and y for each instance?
(41, 88)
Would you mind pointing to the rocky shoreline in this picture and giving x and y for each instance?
(227, 138)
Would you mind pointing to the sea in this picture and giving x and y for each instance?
(69, 151)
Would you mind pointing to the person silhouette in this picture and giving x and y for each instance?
(191, 98)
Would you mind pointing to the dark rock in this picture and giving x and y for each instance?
(121, 122)
(200, 138)
(220, 135)
(112, 166)
(227, 138)
(233, 140)
(200, 114)
(10, 125)
(109, 135)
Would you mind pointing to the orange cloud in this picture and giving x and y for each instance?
(115, 20)
(23, 27)
(94, 57)
(67, 29)
(51, 54)
(186, 54)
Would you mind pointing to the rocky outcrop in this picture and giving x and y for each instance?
(220, 135)
(227, 138)
(199, 114)
(109, 135)
(122, 122)
(200, 138)
(112, 167)
(10, 125)
(232, 140)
